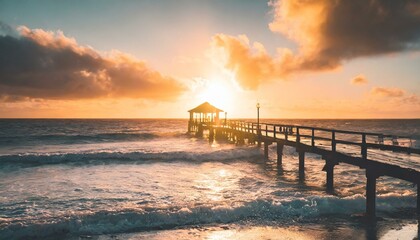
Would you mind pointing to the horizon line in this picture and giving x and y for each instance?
(186, 118)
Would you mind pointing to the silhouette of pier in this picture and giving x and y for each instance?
(335, 146)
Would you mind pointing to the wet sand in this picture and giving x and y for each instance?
(382, 230)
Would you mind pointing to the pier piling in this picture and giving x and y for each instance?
(301, 165)
(329, 169)
(200, 130)
(266, 144)
(418, 202)
(211, 134)
(279, 153)
(371, 177)
(418, 210)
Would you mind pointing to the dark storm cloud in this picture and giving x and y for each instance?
(41, 64)
(362, 28)
(327, 33)
(5, 29)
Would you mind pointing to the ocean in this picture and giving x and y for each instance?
(149, 179)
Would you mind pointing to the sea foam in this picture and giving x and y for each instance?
(133, 220)
(134, 156)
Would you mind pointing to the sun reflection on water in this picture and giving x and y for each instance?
(260, 233)
(216, 184)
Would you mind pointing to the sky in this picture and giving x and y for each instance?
(160, 58)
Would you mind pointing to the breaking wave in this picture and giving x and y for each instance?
(136, 156)
(84, 138)
(144, 219)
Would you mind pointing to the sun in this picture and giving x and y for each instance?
(217, 92)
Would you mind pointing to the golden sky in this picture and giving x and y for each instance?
(158, 59)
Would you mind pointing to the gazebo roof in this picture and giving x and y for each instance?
(205, 108)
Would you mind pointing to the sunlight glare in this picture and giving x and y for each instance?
(219, 93)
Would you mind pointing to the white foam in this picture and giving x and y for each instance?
(406, 232)
(140, 219)
(116, 156)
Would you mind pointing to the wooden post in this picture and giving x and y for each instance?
(418, 202)
(329, 168)
(333, 143)
(266, 149)
(297, 135)
(330, 178)
(266, 130)
(301, 164)
(418, 210)
(241, 139)
(274, 131)
(313, 138)
(199, 132)
(279, 153)
(211, 134)
(364, 147)
(371, 193)
(190, 121)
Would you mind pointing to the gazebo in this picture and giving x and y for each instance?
(203, 113)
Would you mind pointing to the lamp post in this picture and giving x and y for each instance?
(258, 124)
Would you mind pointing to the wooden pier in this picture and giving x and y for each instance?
(335, 147)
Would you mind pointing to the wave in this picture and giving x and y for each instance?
(84, 138)
(119, 157)
(134, 220)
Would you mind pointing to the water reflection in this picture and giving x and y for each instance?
(217, 185)
(260, 233)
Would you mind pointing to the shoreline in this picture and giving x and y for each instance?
(384, 230)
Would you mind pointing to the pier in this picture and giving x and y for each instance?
(334, 145)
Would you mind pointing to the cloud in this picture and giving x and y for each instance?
(412, 99)
(397, 95)
(5, 29)
(359, 80)
(327, 33)
(387, 92)
(251, 64)
(49, 65)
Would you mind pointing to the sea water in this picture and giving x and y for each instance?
(149, 179)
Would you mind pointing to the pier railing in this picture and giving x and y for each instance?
(326, 138)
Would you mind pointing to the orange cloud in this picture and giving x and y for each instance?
(396, 96)
(48, 65)
(327, 33)
(251, 64)
(387, 92)
(412, 99)
(359, 80)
